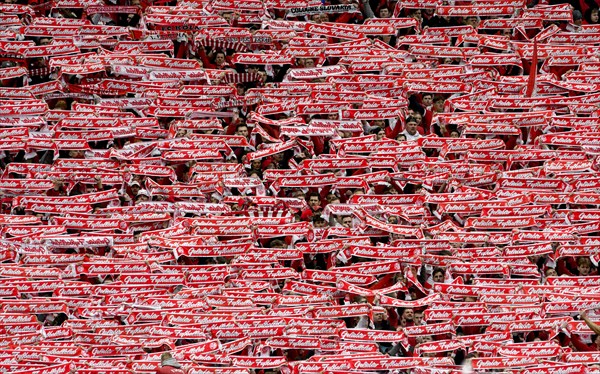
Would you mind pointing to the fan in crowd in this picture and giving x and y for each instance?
(259, 186)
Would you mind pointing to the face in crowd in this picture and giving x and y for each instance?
(411, 127)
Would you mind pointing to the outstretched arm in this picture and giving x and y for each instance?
(593, 326)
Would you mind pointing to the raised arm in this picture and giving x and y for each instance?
(593, 326)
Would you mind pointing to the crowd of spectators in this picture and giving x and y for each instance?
(260, 186)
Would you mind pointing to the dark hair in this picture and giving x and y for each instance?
(313, 194)
(317, 218)
(584, 260)
(276, 242)
(411, 119)
(418, 108)
(588, 15)
(331, 196)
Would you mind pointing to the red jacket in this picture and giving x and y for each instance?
(581, 346)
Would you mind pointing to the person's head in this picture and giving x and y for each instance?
(314, 200)
(438, 275)
(408, 315)
(331, 197)
(298, 194)
(418, 318)
(584, 265)
(384, 12)
(242, 130)
(219, 58)
(418, 117)
(411, 126)
(316, 18)
(240, 89)
(472, 21)
(401, 138)
(427, 99)
(269, 164)
(416, 14)
(357, 191)
(61, 105)
(454, 134)
(438, 104)
(277, 243)
(347, 221)
(142, 195)
(309, 63)
(551, 272)
(319, 222)
(135, 187)
(256, 164)
(277, 157)
(76, 153)
(375, 131)
(393, 220)
(506, 32)
(380, 316)
(591, 16)
(424, 339)
(577, 17)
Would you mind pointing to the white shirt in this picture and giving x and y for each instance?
(411, 137)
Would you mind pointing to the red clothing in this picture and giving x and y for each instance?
(208, 64)
(308, 214)
(581, 346)
(566, 266)
(53, 192)
(169, 370)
